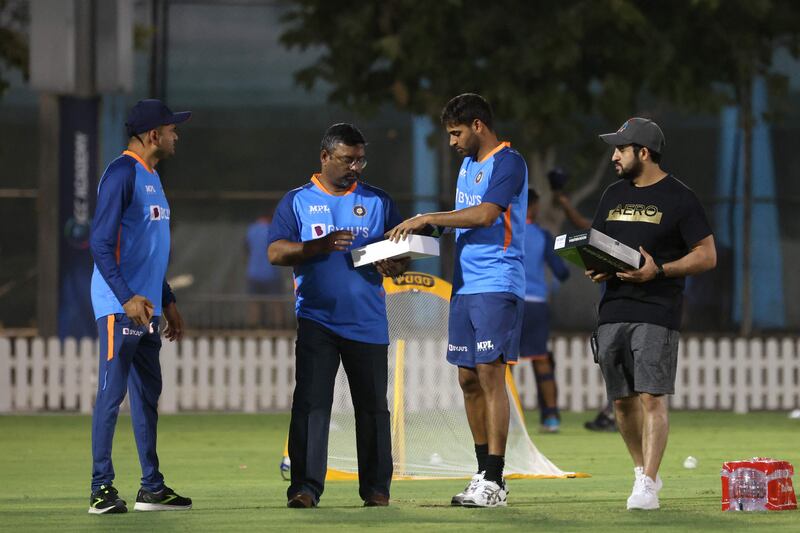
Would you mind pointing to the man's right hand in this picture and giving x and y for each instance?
(139, 309)
(597, 277)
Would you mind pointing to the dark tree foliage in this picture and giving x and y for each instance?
(13, 43)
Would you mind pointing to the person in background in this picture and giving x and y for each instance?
(536, 319)
(265, 282)
(558, 177)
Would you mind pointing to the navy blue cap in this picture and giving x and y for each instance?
(149, 114)
(557, 177)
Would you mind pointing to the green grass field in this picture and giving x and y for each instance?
(228, 464)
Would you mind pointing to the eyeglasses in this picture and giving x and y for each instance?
(349, 162)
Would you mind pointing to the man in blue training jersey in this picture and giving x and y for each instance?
(265, 282)
(605, 419)
(130, 246)
(536, 322)
(341, 315)
(488, 282)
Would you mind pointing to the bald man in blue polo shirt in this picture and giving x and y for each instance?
(130, 244)
(341, 315)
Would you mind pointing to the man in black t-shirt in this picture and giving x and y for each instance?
(637, 336)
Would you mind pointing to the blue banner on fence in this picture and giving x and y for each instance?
(77, 177)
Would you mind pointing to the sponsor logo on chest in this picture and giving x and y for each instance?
(158, 212)
(635, 213)
(315, 209)
(470, 200)
(131, 331)
(320, 230)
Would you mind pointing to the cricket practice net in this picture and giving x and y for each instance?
(430, 434)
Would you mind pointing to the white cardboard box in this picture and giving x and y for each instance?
(414, 246)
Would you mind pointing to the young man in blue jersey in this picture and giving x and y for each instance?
(341, 315)
(488, 282)
(536, 322)
(130, 244)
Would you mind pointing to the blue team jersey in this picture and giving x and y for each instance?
(258, 266)
(491, 259)
(538, 253)
(130, 237)
(329, 289)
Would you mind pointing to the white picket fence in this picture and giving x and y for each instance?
(257, 374)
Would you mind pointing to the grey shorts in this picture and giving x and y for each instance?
(637, 357)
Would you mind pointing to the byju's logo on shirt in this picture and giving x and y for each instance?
(468, 199)
(314, 209)
(454, 348)
(485, 345)
(318, 230)
(159, 213)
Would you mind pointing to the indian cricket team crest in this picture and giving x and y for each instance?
(479, 177)
(359, 210)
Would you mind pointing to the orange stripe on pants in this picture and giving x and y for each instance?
(110, 333)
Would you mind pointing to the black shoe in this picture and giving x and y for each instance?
(603, 422)
(106, 500)
(163, 500)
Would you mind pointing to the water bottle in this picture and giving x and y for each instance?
(748, 490)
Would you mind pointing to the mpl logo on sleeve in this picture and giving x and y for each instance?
(314, 209)
(150, 189)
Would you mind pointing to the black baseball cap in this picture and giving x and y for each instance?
(151, 113)
(642, 131)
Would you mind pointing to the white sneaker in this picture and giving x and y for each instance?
(644, 495)
(486, 494)
(458, 499)
(639, 473)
